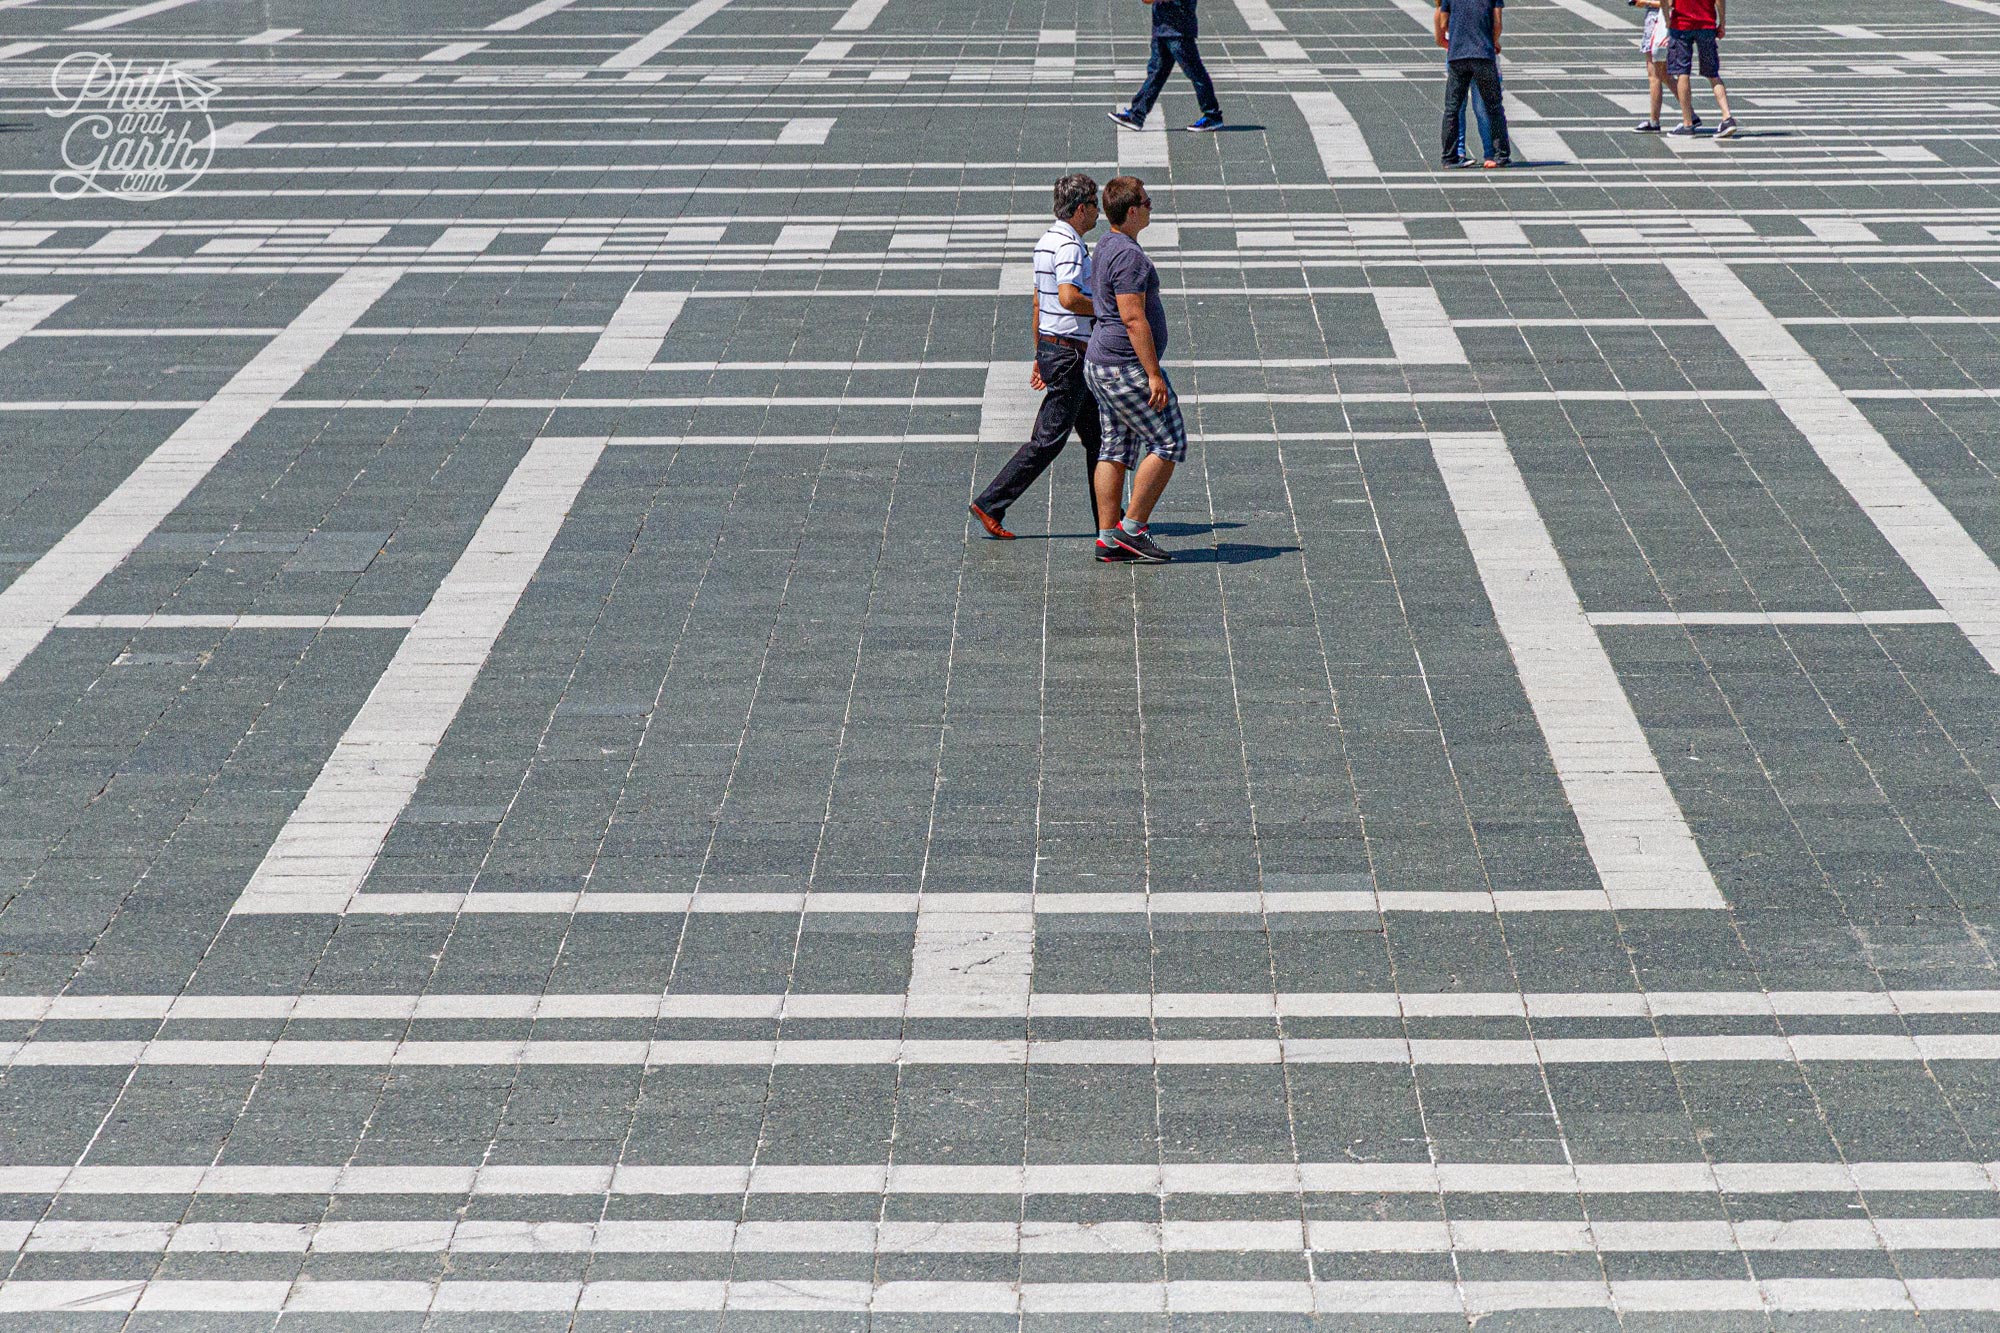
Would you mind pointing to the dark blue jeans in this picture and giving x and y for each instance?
(1485, 124)
(1462, 76)
(1167, 50)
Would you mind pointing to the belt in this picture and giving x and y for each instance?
(1074, 344)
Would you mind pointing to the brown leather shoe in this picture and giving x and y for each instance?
(991, 524)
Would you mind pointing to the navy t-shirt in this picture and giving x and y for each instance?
(1174, 18)
(1471, 24)
(1120, 265)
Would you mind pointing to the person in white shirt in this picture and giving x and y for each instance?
(1063, 315)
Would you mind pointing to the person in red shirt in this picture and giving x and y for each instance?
(1693, 29)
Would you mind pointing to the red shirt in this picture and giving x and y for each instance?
(1693, 14)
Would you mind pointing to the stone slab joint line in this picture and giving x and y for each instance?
(1632, 826)
(1927, 536)
(52, 587)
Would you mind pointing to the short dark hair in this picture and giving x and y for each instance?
(1074, 192)
(1121, 195)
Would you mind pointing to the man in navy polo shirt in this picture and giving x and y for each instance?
(1174, 34)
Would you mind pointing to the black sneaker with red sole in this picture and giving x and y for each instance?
(1114, 555)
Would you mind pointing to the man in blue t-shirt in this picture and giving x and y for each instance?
(1469, 32)
(1174, 34)
(1139, 419)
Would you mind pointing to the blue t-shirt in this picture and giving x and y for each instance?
(1471, 24)
(1174, 18)
(1120, 265)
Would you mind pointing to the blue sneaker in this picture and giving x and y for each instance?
(1125, 120)
(1681, 132)
(1209, 121)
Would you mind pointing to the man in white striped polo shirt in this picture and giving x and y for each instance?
(1062, 332)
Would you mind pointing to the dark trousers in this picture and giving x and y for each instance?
(1166, 50)
(1463, 74)
(1067, 405)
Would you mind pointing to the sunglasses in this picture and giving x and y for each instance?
(1144, 202)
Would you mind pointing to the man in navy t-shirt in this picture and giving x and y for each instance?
(1174, 32)
(1469, 32)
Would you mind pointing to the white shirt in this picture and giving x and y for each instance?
(1061, 257)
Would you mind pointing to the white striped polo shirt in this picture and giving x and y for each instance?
(1061, 256)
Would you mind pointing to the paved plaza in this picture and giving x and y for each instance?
(530, 805)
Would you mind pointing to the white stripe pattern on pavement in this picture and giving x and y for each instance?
(533, 14)
(1634, 829)
(1174, 1296)
(632, 340)
(1420, 332)
(1008, 407)
(329, 844)
(19, 315)
(969, 1003)
(446, 1235)
(1343, 152)
(119, 18)
(50, 589)
(1007, 975)
(1219, 1178)
(664, 36)
(1924, 533)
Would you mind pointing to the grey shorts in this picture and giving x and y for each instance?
(1130, 425)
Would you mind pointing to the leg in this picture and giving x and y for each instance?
(1487, 74)
(1711, 69)
(1457, 79)
(1656, 84)
(1204, 87)
(1147, 483)
(1109, 481)
(1090, 435)
(1485, 121)
(1165, 436)
(1052, 427)
(1680, 64)
(1158, 67)
(1115, 450)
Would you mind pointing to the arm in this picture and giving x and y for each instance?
(1440, 29)
(1720, 24)
(1496, 30)
(1071, 298)
(1132, 309)
(1035, 341)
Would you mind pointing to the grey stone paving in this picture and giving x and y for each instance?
(528, 806)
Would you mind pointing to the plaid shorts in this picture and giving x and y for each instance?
(1130, 425)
